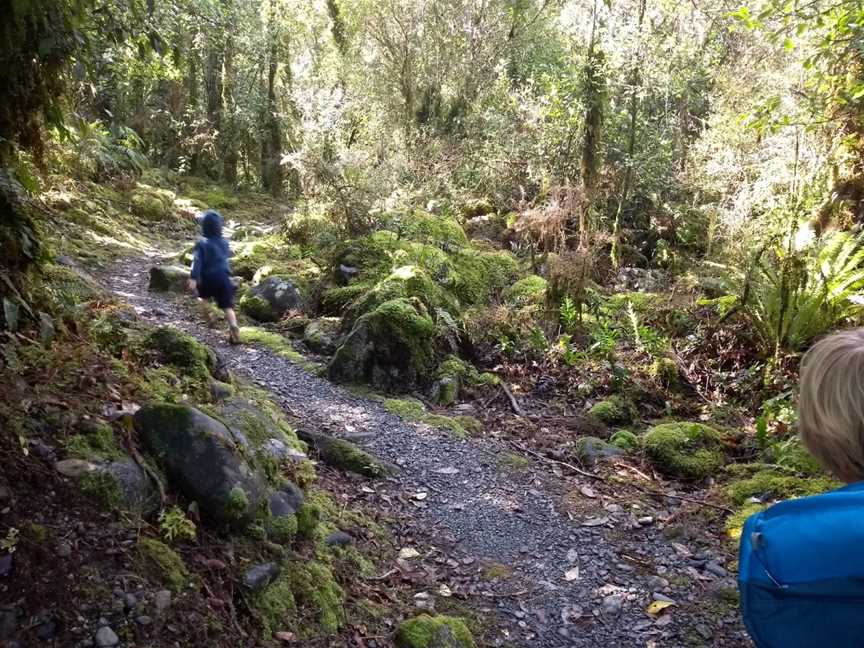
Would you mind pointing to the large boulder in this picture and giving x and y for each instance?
(201, 457)
(322, 335)
(271, 299)
(152, 203)
(181, 350)
(390, 347)
(168, 278)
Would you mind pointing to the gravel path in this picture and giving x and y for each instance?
(613, 564)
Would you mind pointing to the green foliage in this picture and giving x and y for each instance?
(163, 562)
(794, 295)
(174, 525)
(771, 484)
(527, 291)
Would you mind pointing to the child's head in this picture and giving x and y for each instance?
(211, 224)
(831, 405)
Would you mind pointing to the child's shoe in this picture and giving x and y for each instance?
(234, 335)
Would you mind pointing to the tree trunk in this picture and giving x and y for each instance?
(213, 90)
(271, 141)
(228, 136)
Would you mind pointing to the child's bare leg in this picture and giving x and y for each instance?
(234, 330)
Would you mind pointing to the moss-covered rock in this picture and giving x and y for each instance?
(392, 348)
(168, 278)
(317, 592)
(322, 335)
(426, 631)
(476, 207)
(181, 351)
(614, 410)
(478, 277)
(429, 228)
(202, 458)
(625, 440)
(530, 290)
(686, 450)
(589, 450)
(152, 203)
(275, 606)
(344, 455)
(163, 562)
(271, 299)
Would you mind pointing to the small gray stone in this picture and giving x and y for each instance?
(339, 539)
(106, 637)
(130, 600)
(143, 620)
(657, 583)
(286, 501)
(717, 570)
(117, 605)
(64, 550)
(162, 601)
(662, 598)
(259, 576)
(74, 467)
(613, 604)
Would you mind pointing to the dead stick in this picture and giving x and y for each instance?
(519, 411)
(579, 471)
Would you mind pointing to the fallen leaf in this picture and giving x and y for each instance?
(421, 496)
(406, 553)
(587, 492)
(287, 637)
(658, 606)
(572, 574)
(445, 591)
(572, 556)
(366, 489)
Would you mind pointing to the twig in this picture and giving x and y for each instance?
(516, 408)
(556, 461)
(584, 473)
(152, 474)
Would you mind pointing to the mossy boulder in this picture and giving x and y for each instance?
(168, 278)
(271, 299)
(345, 455)
(664, 371)
(614, 410)
(426, 631)
(391, 347)
(685, 450)
(625, 440)
(424, 227)
(476, 277)
(201, 457)
(181, 350)
(322, 335)
(152, 203)
(476, 207)
(590, 450)
(528, 291)
(454, 376)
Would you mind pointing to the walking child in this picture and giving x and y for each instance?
(211, 274)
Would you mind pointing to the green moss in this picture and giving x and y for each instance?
(316, 591)
(164, 562)
(426, 631)
(477, 277)
(275, 606)
(238, 503)
(335, 300)
(36, 534)
(103, 487)
(152, 203)
(794, 456)
(278, 344)
(625, 440)
(527, 291)
(282, 529)
(513, 460)
(410, 409)
(215, 197)
(428, 228)
(257, 308)
(615, 410)
(308, 518)
(497, 571)
(181, 351)
(770, 484)
(665, 371)
(687, 450)
(96, 444)
(347, 456)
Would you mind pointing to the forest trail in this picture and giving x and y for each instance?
(572, 570)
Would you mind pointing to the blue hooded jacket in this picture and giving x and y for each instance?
(211, 252)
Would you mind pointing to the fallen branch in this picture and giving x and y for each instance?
(516, 408)
(136, 456)
(585, 473)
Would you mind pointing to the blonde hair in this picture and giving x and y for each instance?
(831, 404)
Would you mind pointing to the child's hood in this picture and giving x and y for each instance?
(211, 224)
